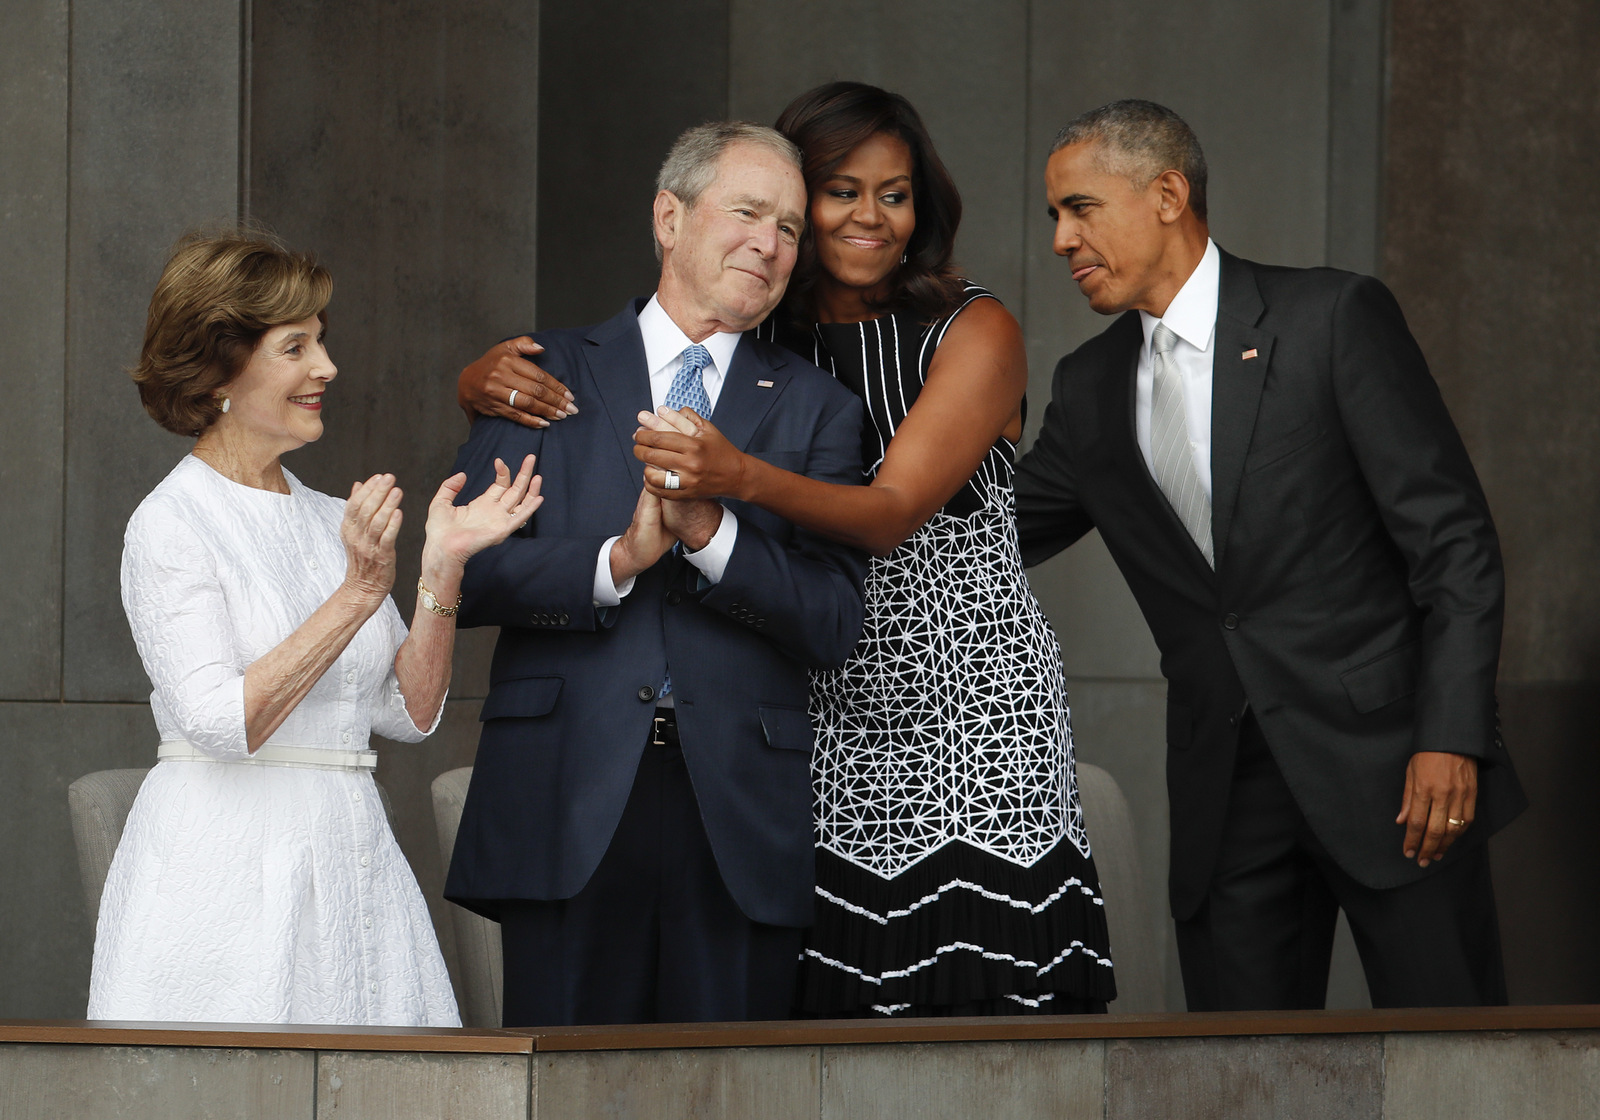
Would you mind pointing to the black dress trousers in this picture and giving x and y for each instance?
(654, 936)
(1263, 939)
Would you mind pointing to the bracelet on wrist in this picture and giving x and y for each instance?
(431, 601)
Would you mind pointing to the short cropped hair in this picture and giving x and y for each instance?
(691, 164)
(1140, 140)
(218, 294)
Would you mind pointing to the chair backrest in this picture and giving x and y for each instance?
(1135, 948)
(477, 938)
(99, 803)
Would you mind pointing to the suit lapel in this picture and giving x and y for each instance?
(755, 379)
(1236, 383)
(621, 381)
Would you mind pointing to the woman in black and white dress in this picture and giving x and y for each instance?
(953, 875)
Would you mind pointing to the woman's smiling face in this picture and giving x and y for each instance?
(862, 215)
(277, 397)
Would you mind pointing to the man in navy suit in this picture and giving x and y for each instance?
(639, 820)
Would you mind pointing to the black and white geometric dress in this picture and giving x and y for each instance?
(953, 873)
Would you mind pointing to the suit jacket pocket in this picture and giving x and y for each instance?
(521, 699)
(1383, 679)
(1180, 725)
(788, 729)
(1283, 446)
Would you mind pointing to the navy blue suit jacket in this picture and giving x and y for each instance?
(572, 688)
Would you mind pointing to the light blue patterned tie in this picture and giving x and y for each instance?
(689, 389)
(688, 385)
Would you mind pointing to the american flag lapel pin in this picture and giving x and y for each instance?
(764, 384)
(1248, 354)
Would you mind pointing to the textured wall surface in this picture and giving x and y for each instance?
(1492, 243)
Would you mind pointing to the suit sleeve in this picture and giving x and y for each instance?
(1049, 515)
(529, 580)
(1433, 508)
(803, 594)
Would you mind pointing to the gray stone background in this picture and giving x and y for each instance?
(476, 168)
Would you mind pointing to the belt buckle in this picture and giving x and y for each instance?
(657, 734)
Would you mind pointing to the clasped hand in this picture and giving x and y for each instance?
(684, 442)
(372, 519)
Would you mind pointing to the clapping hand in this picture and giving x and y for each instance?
(369, 528)
(460, 532)
(683, 441)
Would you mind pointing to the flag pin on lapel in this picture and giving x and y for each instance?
(764, 384)
(1247, 355)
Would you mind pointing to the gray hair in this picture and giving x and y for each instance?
(1140, 140)
(691, 165)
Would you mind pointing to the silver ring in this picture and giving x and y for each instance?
(513, 401)
(672, 481)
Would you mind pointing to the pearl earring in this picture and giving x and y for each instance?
(226, 404)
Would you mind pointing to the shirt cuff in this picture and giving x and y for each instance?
(606, 593)
(712, 560)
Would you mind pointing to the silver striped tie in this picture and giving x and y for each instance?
(1170, 453)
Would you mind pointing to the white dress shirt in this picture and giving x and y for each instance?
(1192, 316)
(664, 344)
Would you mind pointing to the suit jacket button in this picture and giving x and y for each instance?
(565, 618)
(674, 598)
(1231, 621)
(647, 694)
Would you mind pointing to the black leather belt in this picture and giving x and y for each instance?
(664, 728)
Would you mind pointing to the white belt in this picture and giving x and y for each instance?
(275, 754)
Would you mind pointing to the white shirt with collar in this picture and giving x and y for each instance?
(664, 344)
(1192, 316)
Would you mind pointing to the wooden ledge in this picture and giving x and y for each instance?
(842, 1032)
(252, 1036)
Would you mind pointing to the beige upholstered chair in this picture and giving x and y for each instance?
(477, 938)
(99, 803)
(1134, 948)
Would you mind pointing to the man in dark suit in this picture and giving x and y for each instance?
(639, 820)
(1269, 461)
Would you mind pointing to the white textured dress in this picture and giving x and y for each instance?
(258, 893)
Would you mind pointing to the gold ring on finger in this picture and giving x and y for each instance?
(1455, 822)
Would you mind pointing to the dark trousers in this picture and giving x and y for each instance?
(1263, 938)
(654, 936)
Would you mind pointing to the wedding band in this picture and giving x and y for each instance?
(1453, 823)
(513, 401)
(672, 481)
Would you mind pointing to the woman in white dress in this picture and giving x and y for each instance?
(257, 880)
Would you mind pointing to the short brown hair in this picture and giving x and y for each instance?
(218, 294)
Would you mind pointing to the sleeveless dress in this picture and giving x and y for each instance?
(954, 876)
(258, 893)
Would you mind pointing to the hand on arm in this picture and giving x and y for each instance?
(1440, 788)
(973, 395)
(486, 386)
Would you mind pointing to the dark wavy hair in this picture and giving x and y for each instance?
(826, 123)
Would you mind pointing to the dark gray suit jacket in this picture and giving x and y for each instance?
(1357, 598)
(572, 688)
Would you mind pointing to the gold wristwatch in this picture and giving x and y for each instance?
(431, 601)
